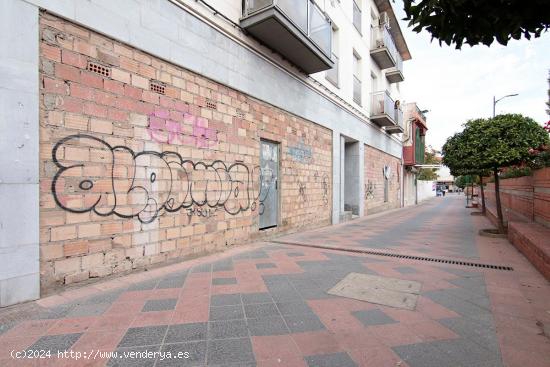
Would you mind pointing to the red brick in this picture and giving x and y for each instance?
(55, 86)
(80, 91)
(132, 92)
(113, 86)
(71, 104)
(73, 59)
(75, 248)
(117, 115)
(51, 52)
(92, 80)
(95, 110)
(106, 99)
(67, 72)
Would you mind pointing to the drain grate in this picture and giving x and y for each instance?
(401, 256)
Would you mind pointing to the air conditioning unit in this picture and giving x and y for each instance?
(384, 19)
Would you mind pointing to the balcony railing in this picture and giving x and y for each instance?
(297, 29)
(383, 48)
(395, 74)
(421, 115)
(332, 74)
(386, 112)
(357, 90)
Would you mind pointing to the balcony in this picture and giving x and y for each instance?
(385, 112)
(296, 29)
(332, 75)
(395, 74)
(383, 49)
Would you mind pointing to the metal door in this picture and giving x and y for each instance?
(269, 185)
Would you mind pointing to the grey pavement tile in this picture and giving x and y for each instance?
(56, 312)
(55, 343)
(224, 281)
(423, 355)
(258, 254)
(223, 265)
(225, 299)
(143, 357)
(227, 329)
(330, 360)
(230, 351)
(172, 281)
(144, 286)
(465, 352)
(267, 326)
(260, 310)
(406, 270)
(294, 308)
(103, 297)
(143, 336)
(159, 305)
(195, 352)
(481, 334)
(373, 317)
(286, 296)
(186, 332)
(265, 266)
(303, 322)
(251, 298)
(295, 254)
(93, 309)
(226, 313)
(314, 293)
(202, 268)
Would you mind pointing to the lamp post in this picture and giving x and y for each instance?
(495, 101)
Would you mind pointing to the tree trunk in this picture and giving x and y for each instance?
(482, 195)
(499, 207)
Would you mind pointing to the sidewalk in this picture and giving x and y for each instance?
(267, 304)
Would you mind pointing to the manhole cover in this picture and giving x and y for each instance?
(385, 291)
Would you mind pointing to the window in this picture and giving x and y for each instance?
(332, 74)
(357, 97)
(356, 16)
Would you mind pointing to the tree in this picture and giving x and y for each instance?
(428, 174)
(491, 144)
(478, 22)
(458, 155)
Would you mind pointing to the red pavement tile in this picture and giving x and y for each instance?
(394, 334)
(357, 339)
(376, 357)
(134, 296)
(433, 310)
(431, 330)
(99, 340)
(276, 348)
(113, 322)
(72, 325)
(14, 344)
(288, 362)
(127, 308)
(316, 342)
(165, 293)
(28, 328)
(153, 318)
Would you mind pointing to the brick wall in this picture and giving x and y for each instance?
(143, 161)
(524, 199)
(375, 161)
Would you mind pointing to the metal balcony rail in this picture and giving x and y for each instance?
(304, 14)
(383, 104)
(381, 37)
(421, 114)
(332, 74)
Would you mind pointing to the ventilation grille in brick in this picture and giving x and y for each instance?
(98, 69)
(401, 256)
(240, 114)
(211, 104)
(157, 87)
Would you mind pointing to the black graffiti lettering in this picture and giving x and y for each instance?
(146, 184)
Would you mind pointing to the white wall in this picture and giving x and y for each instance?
(409, 188)
(426, 190)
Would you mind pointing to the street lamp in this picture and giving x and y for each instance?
(495, 101)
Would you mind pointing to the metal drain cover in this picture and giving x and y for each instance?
(385, 291)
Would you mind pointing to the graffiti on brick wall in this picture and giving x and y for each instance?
(119, 181)
(324, 185)
(370, 187)
(302, 191)
(162, 129)
(301, 153)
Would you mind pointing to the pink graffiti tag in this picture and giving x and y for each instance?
(202, 135)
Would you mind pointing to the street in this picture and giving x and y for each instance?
(266, 304)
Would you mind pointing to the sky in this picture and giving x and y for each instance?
(457, 85)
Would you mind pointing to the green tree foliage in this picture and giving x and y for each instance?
(487, 145)
(428, 174)
(478, 21)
